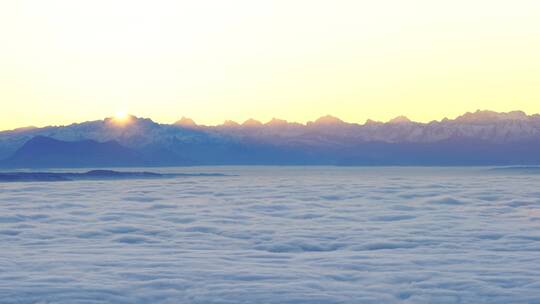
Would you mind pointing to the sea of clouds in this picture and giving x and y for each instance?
(275, 235)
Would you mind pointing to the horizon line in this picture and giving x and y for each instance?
(189, 121)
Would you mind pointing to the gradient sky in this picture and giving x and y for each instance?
(64, 61)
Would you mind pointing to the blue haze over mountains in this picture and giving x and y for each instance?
(479, 138)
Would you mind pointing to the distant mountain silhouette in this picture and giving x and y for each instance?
(46, 152)
(252, 123)
(400, 120)
(327, 120)
(186, 122)
(477, 138)
(92, 175)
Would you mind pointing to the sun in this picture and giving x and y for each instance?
(121, 118)
(121, 115)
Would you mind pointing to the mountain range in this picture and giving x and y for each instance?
(477, 138)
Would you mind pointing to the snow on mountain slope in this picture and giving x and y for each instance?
(327, 132)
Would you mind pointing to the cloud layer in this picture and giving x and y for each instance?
(298, 235)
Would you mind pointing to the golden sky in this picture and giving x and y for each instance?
(64, 61)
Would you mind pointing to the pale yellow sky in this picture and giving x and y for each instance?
(64, 61)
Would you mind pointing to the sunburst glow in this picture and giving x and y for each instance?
(121, 116)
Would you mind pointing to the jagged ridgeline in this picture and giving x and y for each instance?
(479, 138)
